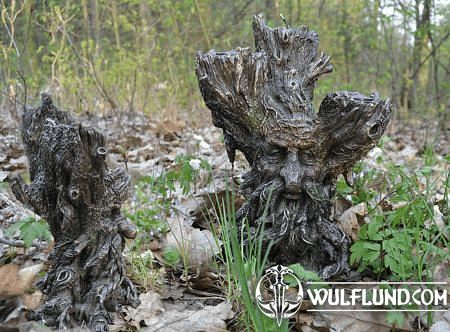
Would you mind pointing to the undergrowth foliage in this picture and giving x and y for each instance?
(406, 239)
(407, 233)
(153, 193)
(151, 206)
(244, 267)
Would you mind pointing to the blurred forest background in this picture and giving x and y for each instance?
(110, 55)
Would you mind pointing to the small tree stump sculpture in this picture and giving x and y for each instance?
(80, 198)
(263, 103)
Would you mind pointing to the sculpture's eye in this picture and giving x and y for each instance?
(277, 151)
(307, 157)
(375, 130)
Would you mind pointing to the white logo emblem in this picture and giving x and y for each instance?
(272, 296)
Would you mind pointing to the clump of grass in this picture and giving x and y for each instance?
(244, 267)
(245, 261)
(142, 269)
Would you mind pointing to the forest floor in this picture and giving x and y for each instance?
(187, 296)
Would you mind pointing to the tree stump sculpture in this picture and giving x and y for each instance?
(80, 198)
(263, 103)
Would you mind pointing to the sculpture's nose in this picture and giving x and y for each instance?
(291, 172)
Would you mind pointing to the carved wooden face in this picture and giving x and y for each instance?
(286, 188)
(298, 169)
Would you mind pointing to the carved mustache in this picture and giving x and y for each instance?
(277, 187)
(268, 204)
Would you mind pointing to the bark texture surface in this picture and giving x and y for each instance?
(263, 102)
(72, 188)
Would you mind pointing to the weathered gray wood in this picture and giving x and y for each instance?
(72, 188)
(263, 102)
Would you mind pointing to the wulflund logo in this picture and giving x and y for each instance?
(273, 295)
(277, 299)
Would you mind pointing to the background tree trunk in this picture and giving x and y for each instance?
(423, 24)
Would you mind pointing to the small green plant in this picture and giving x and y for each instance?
(364, 185)
(244, 264)
(395, 318)
(302, 274)
(8, 256)
(30, 230)
(153, 193)
(4, 186)
(187, 169)
(381, 247)
(428, 155)
(147, 219)
(171, 255)
(31, 290)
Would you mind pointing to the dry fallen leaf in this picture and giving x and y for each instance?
(209, 319)
(173, 291)
(151, 315)
(150, 308)
(198, 245)
(349, 219)
(14, 281)
(356, 321)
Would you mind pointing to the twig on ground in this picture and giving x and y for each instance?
(21, 244)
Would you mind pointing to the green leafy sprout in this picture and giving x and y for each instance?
(29, 230)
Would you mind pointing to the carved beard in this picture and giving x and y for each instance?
(296, 224)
